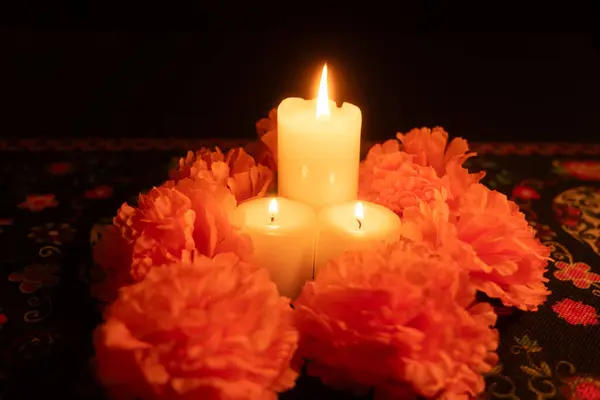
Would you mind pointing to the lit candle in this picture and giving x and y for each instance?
(352, 225)
(283, 238)
(318, 146)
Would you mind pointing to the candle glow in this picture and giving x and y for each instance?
(359, 213)
(318, 149)
(273, 209)
(286, 246)
(323, 96)
(343, 227)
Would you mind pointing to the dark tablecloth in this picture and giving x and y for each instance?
(54, 192)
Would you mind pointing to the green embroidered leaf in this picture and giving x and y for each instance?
(530, 371)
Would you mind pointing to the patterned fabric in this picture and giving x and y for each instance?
(56, 193)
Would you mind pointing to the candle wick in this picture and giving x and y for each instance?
(272, 220)
(359, 223)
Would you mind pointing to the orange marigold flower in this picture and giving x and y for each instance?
(190, 215)
(266, 128)
(391, 178)
(430, 147)
(400, 318)
(236, 170)
(200, 329)
(504, 242)
(488, 237)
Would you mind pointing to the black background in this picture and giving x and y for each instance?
(80, 69)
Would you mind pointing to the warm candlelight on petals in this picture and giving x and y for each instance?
(318, 149)
(283, 240)
(351, 225)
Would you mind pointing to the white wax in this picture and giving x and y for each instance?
(285, 247)
(339, 229)
(318, 157)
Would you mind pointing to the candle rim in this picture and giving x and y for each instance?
(327, 215)
(305, 221)
(309, 104)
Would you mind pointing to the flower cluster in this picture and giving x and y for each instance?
(187, 315)
(190, 317)
(402, 318)
(404, 173)
(440, 201)
(236, 170)
(188, 215)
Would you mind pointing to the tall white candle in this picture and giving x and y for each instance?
(352, 225)
(318, 146)
(283, 238)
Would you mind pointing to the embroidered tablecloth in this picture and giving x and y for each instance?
(54, 192)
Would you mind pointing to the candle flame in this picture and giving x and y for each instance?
(323, 96)
(273, 207)
(359, 211)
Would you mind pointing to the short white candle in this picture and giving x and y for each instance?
(318, 146)
(352, 225)
(283, 238)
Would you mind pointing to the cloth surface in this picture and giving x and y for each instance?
(55, 193)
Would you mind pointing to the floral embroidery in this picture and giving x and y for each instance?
(60, 168)
(39, 202)
(578, 209)
(575, 312)
(99, 192)
(530, 346)
(525, 193)
(545, 381)
(584, 170)
(56, 234)
(583, 387)
(569, 270)
(36, 276)
(567, 215)
(578, 272)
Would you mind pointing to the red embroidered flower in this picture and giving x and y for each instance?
(584, 170)
(99, 192)
(3, 320)
(39, 202)
(60, 168)
(582, 388)
(525, 193)
(578, 272)
(36, 276)
(567, 215)
(575, 312)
